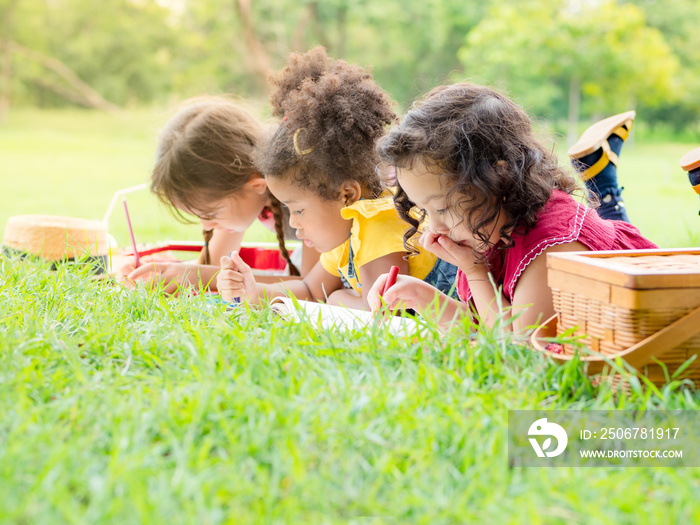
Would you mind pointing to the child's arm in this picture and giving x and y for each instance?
(369, 273)
(309, 258)
(410, 292)
(172, 275)
(532, 289)
(175, 275)
(532, 297)
(236, 279)
(223, 242)
(488, 301)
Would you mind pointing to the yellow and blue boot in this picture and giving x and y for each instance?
(690, 162)
(595, 157)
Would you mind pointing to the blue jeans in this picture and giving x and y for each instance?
(443, 276)
(612, 207)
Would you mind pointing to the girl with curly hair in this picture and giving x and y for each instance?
(497, 202)
(322, 165)
(204, 168)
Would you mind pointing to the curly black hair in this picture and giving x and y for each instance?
(333, 113)
(483, 143)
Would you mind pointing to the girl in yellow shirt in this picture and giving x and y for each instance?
(321, 164)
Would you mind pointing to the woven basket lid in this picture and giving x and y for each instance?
(56, 238)
(637, 269)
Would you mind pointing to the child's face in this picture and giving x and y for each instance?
(317, 220)
(237, 211)
(429, 191)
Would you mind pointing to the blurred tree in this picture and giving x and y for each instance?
(231, 45)
(678, 20)
(120, 48)
(556, 54)
(7, 11)
(77, 90)
(412, 46)
(558, 57)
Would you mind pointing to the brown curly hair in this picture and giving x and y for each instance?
(205, 153)
(333, 115)
(483, 143)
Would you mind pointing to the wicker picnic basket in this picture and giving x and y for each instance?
(641, 305)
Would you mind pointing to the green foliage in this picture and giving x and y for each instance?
(412, 45)
(212, 56)
(676, 20)
(616, 53)
(603, 49)
(120, 48)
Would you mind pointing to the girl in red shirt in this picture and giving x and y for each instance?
(497, 202)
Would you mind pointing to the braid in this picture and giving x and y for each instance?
(276, 207)
(204, 256)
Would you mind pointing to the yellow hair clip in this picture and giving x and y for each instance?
(296, 144)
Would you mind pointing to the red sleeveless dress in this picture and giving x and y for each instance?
(562, 220)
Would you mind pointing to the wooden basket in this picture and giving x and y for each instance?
(641, 305)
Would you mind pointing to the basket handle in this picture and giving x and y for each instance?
(677, 333)
(535, 335)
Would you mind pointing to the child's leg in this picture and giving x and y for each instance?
(443, 276)
(691, 163)
(595, 157)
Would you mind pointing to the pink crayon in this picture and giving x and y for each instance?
(131, 233)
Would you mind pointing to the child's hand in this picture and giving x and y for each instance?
(122, 274)
(429, 241)
(448, 250)
(236, 279)
(407, 292)
(128, 267)
(172, 276)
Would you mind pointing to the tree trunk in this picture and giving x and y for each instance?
(90, 97)
(258, 60)
(342, 30)
(64, 93)
(298, 44)
(574, 104)
(318, 26)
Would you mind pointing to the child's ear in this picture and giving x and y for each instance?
(257, 184)
(350, 192)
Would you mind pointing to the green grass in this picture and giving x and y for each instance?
(130, 407)
(122, 407)
(659, 198)
(70, 162)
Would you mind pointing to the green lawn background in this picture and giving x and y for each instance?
(70, 162)
(132, 407)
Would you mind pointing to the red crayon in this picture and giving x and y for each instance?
(131, 233)
(391, 280)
